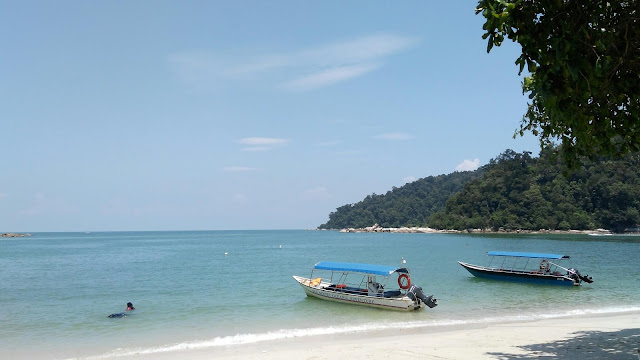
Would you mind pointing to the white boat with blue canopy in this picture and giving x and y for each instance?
(365, 284)
(541, 268)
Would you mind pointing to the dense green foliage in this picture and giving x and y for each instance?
(515, 191)
(521, 192)
(584, 63)
(409, 205)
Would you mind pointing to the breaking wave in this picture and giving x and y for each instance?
(283, 334)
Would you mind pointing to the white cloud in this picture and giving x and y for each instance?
(349, 152)
(330, 77)
(409, 179)
(394, 136)
(468, 165)
(359, 50)
(3, 195)
(238, 169)
(302, 69)
(261, 143)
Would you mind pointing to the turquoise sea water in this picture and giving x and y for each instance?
(56, 289)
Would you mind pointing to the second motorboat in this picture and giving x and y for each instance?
(530, 267)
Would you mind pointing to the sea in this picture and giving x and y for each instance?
(208, 289)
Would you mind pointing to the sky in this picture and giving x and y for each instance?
(238, 115)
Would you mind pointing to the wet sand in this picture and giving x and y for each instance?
(610, 337)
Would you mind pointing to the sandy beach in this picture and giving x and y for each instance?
(585, 337)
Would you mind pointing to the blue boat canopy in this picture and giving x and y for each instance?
(361, 268)
(527, 255)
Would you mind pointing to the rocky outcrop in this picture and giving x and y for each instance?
(14, 235)
(379, 229)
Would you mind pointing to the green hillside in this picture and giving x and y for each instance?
(409, 205)
(515, 191)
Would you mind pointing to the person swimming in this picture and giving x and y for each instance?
(121, 315)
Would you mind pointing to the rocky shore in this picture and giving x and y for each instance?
(377, 228)
(11, 235)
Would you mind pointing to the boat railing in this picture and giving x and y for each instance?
(553, 270)
(352, 283)
(516, 265)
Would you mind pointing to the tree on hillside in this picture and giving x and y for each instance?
(518, 192)
(584, 63)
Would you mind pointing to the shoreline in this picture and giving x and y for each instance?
(589, 337)
(426, 230)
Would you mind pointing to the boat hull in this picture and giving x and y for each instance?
(518, 276)
(403, 303)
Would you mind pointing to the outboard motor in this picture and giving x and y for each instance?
(576, 276)
(415, 292)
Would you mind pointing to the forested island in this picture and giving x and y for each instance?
(513, 192)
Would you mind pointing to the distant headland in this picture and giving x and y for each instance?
(11, 235)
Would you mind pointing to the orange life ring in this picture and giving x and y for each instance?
(404, 276)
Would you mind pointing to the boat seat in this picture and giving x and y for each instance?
(392, 293)
(375, 289)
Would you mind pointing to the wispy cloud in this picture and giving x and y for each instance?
(261, 143)
(468, 165)
(238, 169)
(330, 77)
(3, 195)
(300, 70)
(394, 136)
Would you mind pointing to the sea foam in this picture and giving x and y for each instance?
(283, 334)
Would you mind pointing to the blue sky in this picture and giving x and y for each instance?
(194, 115)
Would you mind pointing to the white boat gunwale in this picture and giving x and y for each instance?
(368, 291)
(402, 303)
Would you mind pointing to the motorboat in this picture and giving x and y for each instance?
(528, 267)
(365, 284)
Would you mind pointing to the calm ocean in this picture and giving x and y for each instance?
(56, 289)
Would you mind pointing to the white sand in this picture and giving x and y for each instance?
(593, 337)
